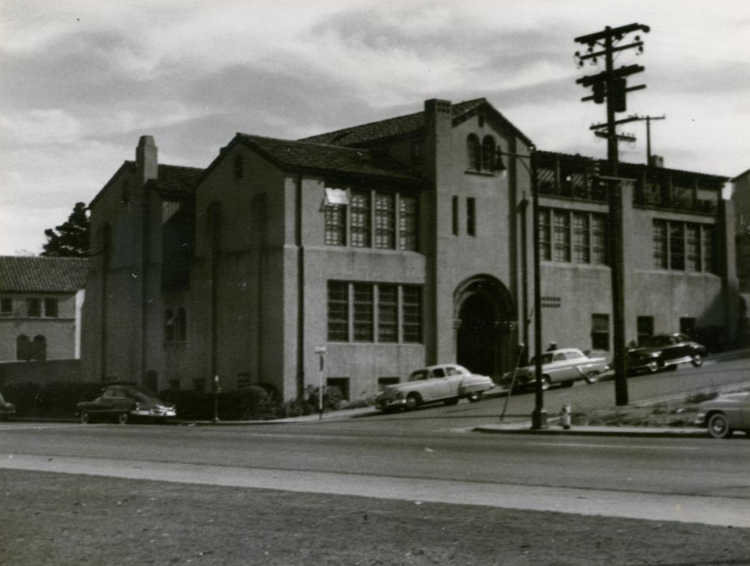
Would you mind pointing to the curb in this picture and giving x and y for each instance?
(597, 431)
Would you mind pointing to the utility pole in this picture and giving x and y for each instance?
(648, 120)
(610, 86)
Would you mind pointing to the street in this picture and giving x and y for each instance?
(429, 455)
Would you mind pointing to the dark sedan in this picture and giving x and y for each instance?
(666, 351)
(122, 403)
(7, 410)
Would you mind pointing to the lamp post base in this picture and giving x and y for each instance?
(538, 419)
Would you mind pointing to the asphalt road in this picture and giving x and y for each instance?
(428, 455)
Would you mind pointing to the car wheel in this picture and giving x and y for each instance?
(718, 426)
(475, 396)
(413, 401)
(697, 360)
(85, 417)
(546, 382)
(451, 401)
(652, 367)
(122, 418)
(567, 383)
(592, 377)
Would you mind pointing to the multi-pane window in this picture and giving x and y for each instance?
(661, 246)
(360, 219)
(50, 308)
(488, 153)
(385, 221)
(338, 311)
(396, 313)
(561, 238)
(33, 307)
(412, 314)
(693, 247)
(387, 313)
(598, 239)
(683, 246)
(581, 238)
(709, 257)
(6, 306)
(364, 312)
(677, 245)
(600, 331)
(368, 219)
(471, 217)
(407, 223)
(545, 234)
(578, 237)
(335, 225)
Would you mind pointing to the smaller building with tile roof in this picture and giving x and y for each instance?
(41, 300)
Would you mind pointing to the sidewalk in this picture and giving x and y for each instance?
(524, 427)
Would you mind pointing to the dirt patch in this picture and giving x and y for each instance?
(679, 412)
(61, 520)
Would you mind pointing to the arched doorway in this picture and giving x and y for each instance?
(486, 328)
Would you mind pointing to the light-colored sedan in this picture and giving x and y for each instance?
(725, 414)
(445, 383)
(559, 367)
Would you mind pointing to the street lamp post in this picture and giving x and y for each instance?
(539, 415)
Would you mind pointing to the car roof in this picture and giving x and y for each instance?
(563, 350)
(430, 368)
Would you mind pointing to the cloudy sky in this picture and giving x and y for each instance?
(81, 80)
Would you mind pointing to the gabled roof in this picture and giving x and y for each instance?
(38, 274)
(325, 159)
(409, 124)
(173, 180)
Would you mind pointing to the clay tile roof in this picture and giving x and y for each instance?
(391, 127)
(321, 158)
(43, 274)
(175, 180)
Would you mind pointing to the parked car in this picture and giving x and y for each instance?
(7, 410)
(123, 403)
(445, 383)
(665, 351)
(563, 366)
(725, 414)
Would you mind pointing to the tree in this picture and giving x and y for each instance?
(70, 239)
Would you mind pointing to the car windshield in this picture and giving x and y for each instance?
(419, 375)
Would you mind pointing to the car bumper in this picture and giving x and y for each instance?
(166, 414)
(385, 404)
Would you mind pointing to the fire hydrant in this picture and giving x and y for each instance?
(565, 414)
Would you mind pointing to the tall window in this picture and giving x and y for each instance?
(473, 153)
(545, 234)
(709, 257)
(360, 219)
(471, 216)
(600, 331)
(598, 239)
(454, 220)
(661, 257)
(561, 250)
(408, 239)
(581, 240)
(353, 305)
(180, 325)
(168, 325)
(385, 221)
(488, 153)
(335, 225)
(364, 313)
(338, 311)
(677, 245)
(387, 313)
(693, 247)
(412, 314)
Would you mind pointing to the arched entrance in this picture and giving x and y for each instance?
(486, 328)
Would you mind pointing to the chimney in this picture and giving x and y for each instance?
(146, 158)
(656, 161)
(438, 122)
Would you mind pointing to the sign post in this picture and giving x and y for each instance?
(321, 351)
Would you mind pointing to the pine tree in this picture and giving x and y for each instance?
(70, 239)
